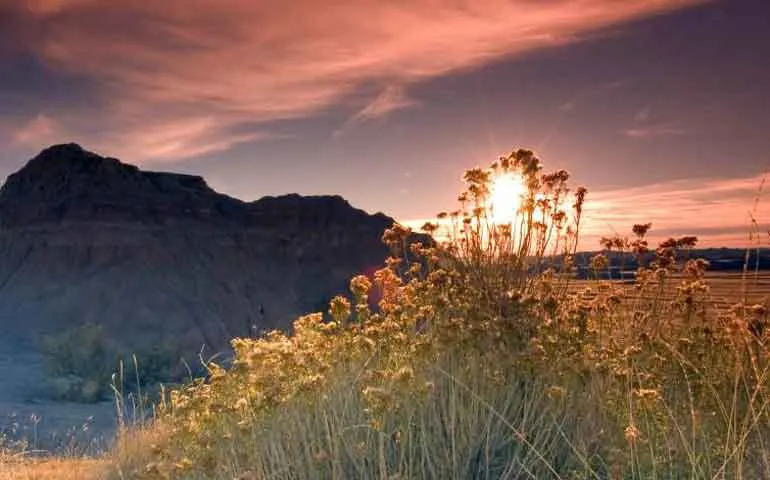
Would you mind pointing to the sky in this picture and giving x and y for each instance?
(660, 108)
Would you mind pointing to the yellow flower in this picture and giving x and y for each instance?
(631, 433)
(184, 464)
(339, 309)
(360, 286)
(647, 394)
(555, 392)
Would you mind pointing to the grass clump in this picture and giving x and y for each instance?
(485, 359)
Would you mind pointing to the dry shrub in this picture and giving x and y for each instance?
(483, 358)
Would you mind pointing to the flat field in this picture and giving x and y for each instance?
(725, 288)
(51, 469)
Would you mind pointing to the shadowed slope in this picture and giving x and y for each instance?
(157, 257)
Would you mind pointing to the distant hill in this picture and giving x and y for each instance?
(157, 257)
(720, 260)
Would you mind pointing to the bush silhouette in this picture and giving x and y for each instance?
(79, 363)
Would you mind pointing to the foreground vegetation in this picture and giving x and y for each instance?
(482, 360)
(479, 362)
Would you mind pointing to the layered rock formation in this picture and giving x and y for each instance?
(161, 257)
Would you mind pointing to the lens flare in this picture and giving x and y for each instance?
(506, 195)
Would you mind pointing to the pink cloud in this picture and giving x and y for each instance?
(390, 99)
(49, 7)
(181, 138)
(36, 132)
(719, 211)
(240, 61)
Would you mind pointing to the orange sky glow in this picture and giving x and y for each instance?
(658, 107)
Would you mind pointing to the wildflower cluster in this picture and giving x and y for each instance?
(643, 362)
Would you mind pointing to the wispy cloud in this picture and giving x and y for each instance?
(649, 124)
(390, 99)
(643, 114)
(653, 131)
(719, 211)
(181, 138)
(35, 132)
(48, 7)
(243, 62)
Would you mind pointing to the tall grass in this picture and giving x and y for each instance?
(482, 360)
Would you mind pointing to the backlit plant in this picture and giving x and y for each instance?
(486, 357)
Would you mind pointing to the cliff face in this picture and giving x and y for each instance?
(158, 257)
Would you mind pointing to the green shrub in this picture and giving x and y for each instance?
(153, 365)
(79, 363)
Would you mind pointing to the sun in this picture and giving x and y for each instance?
(506, 195)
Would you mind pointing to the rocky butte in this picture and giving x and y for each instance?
(161, 257)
